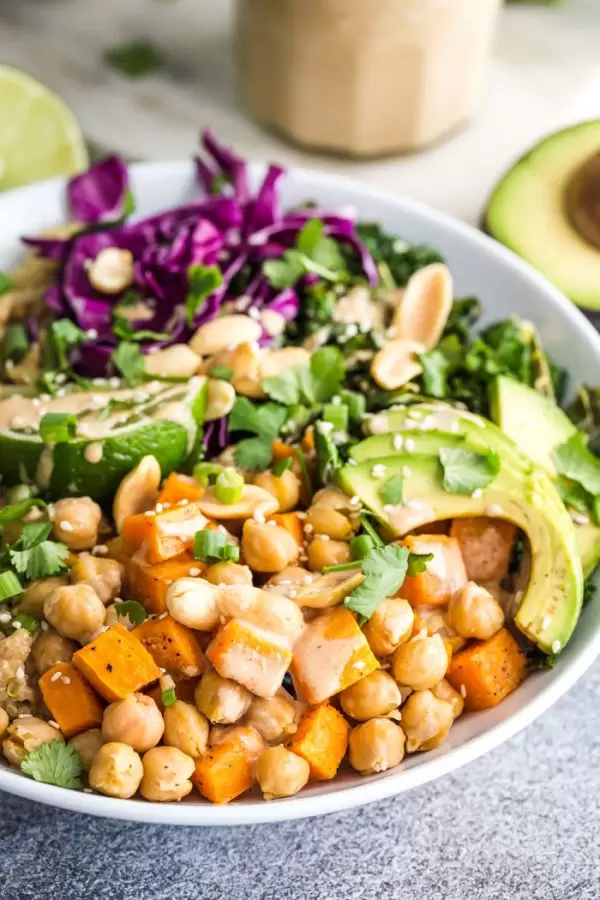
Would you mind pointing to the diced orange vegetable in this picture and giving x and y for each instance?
(172, 646)
(331, 654)
(252, 657)
(73, 704)
(486, 672)
(308, 440)
(164, 534)
(282, 451)
(292, 523)
(180, 487)
(148, 583)
(184, 690)
(486, 546)
(227, 769)
(322, 740)
(444, 575)
(116, 663)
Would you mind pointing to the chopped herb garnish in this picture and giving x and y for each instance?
(205, 472)
(54, 763)
(265, 422)
(135, 59)
(17, 511)
(314, 253)
(124, 331)
(229, 486)
(63, 335)
(10, 586)
(327, 454)
(466, 471)
(575, 461)
(58, 428)
(305, 471)
(309, 384)
(203, 281)
(129, 360)
(29, 623)
(369, 529)
(384, 569)
(417, 563)
(392, 490)
(281, 466)
(15, 343)
(33, 556)
(254, 453)
(224, 373)
(132, 610)
(214, 546)
(361, 546)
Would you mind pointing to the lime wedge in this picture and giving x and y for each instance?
(40, 136)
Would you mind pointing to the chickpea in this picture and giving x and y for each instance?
(76, 611)
(104, 575)
(376, 746)
(33, 598)
(323, 520)
(228, 573)
(290, 575)
(76, 522)
(193, 602)
(390, 625)
(436, 741)
(135, 721)
(420, 663)
(116, 770)
(250, 739)
(474, 613)
(27, 734)
(87, 745)
(443, 690)
(49, 649)
(285, 488)
(423, 718)
(4, 721)
(273, 717)
(281, 773)
(222, 701)
(332, 498)
(375, 695)
(186, 729)
(167, 773)
(323, 552)
(267, 548)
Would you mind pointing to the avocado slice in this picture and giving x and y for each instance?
(551, 603)
(545, 209)
(115, 429)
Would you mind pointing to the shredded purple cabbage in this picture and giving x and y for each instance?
(226, 226)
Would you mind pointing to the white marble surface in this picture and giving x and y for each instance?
(545, 73)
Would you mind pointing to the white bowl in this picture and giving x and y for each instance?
(505, 285)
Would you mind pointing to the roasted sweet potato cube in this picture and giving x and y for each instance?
(251, 656)
(322, 740)
(486, 672)
(172, 646)
(444, 575)
(116, 663)
(148, 583)
(179, 487)
(72, 702)
(226, 770)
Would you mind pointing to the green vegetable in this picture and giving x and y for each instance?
(133, 610)
(224, 373)
(214, 546)
(314, 253)
(10, 586)
(124, 330)
(417, 563)
(129, 360)
(57, 428)
(361, 546)
(395, 259)
(265, 422)
(6, 283)
(63, 335)
(206, 472)
(336, 415)
(229, 486)
(54, 763)
(436, 367)
(305, 471)
(310, 384)
(254, 453)
(368, 528)
(134, 59)
(392, 490)
(35, 557)
(465, 471)
(384, 569)
(168, 697)
(18, 511)
(15, 343)
(574, 460)
(29, 623)
(327, 453)
(203, 281)
(356, 405)
(281, 466)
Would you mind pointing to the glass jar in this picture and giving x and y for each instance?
(363, 77)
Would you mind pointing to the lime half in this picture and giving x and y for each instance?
(40, 137)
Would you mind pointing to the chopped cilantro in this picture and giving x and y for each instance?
(223, 373)
(384, 569)
(134, 59)
(202, 281)
(327, 453)
(314, 253)
(265, 422)
(392, 490)
(18, 511)
(281, 466)
(54, 763)
(466, 471)
(133, 610)
(417, 563)
(124, 331)
(63, 335)
(435, 373)
(314, 383)
(58, 428)
(575, 461)
(35, 557)
(254, 453)
(129, 360)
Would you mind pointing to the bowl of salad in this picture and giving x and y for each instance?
(300, 493)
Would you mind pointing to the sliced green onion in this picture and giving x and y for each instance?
(356, 405)
(336, 415)
(167, 691)
(58, 428)
(342, 567)
(15, 343)
(211, 546)
(361, 546)
(281, 466)
(10, 586)
(306, 476)
(29, 623)
(229, 486)
(204, 472)
(370, 530)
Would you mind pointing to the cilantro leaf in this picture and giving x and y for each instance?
(34, 533)
(202, 281)
(265, 420)
(573, 495)
(322, 250)
(133, 610)
(466, 471)
(392, 490)
(285, 272)
(134, 59)
(16, 511)
(54, 763)
(282, 465)
(384, 571)
(327, 371)
(40, 561)
(124, 330)
(224, 373)
(436, 367)
(575, 461)
(284, 388)
(254, 453)
(129, 360)
(63, 335)
(312, 384)
(417, 563)
(314, 253)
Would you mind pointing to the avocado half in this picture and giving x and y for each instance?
(521, 493)
(547, 209)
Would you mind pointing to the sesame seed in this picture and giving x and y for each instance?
(55, 677)
(60, 378)
(65, 679)
(409, 445)
(324, 427)
(44, 626)
(291, 594)
(308, 528)
(406, 471)
(149, 512)
(20, 673)
(463, 691)
(194, 571)
(5, 618)
(378, 471)
(556, 646)
(140, 397)
(91, 334)
(352, 462)
(183, 502)
(272, 524)
(414, 414)
(324, 537)
(163, 615)
(355, 501)
(99, 550)
(16, 625)
(493, 509)
(53, 723)
(166, 506)
(580, 518)
(546, 622)
(88, 791)
(158, 508)
(66, 526)
(114, 382)
(398, 442)
(477, 493)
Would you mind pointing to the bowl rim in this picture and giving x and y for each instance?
(342, 797)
